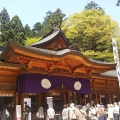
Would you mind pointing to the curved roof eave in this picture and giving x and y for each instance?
(50, 55)
(50, 38)
(112, 73)
(12, 65)
(101, 76)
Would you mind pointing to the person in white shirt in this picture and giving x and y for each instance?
(116, 111)
(65, 112)
(119, 106)
(81, 113)
(50, 113)
(92, 112)
(110, 111)
(72, 112)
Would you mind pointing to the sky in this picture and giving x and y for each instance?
(33, 11)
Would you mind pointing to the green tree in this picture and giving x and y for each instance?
(17, 30)
(51, 20)
(118, 3)
(4, 17)
(4, 27)
(92, 5)
(30, 41)
(92, 30)
(37, 29)
(28, 31)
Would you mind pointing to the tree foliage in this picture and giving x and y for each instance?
(17, 30)
(105, 56)
(28, 31)
(14, 30)
(4, 17)
(37, 29)
(4, 27)
(118, 3)
(92, 5)
(30, 41)
(51, 20)
(92, 30)
(11, 29)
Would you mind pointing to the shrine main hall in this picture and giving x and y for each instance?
(53, 67)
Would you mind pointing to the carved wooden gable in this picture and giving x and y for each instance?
(56, 45)
(55, 41)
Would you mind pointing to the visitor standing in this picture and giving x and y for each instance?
(50, 113)
(116, 111)
(40, 113)
(92, 112)
(110, 112)
(27, 110)
(72, 112)
(65, 112)
(81, 113)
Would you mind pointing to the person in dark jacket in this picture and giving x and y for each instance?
(27, 110)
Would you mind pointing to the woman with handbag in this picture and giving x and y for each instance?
(72, 112)
(81, 113)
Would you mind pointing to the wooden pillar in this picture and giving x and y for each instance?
(16, 98)
(15, 102)
(72, 96)
(96, 99)
(100, 100)
(118, 91)
(110, 99)
(75, 100)
(107, 92)
(93, 86)
(84, 99)
(38, 100)
(69, 96)
(43, 99)
(93, 90)
(64, 93)
(80, 99)
(22, 104)
(106, 83)
(90, 97)
(113, 98)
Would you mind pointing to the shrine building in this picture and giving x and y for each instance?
(53, 67)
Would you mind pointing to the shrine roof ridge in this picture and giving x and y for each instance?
(50, 54)
(51, 37)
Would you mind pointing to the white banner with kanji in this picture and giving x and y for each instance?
(116, 58)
